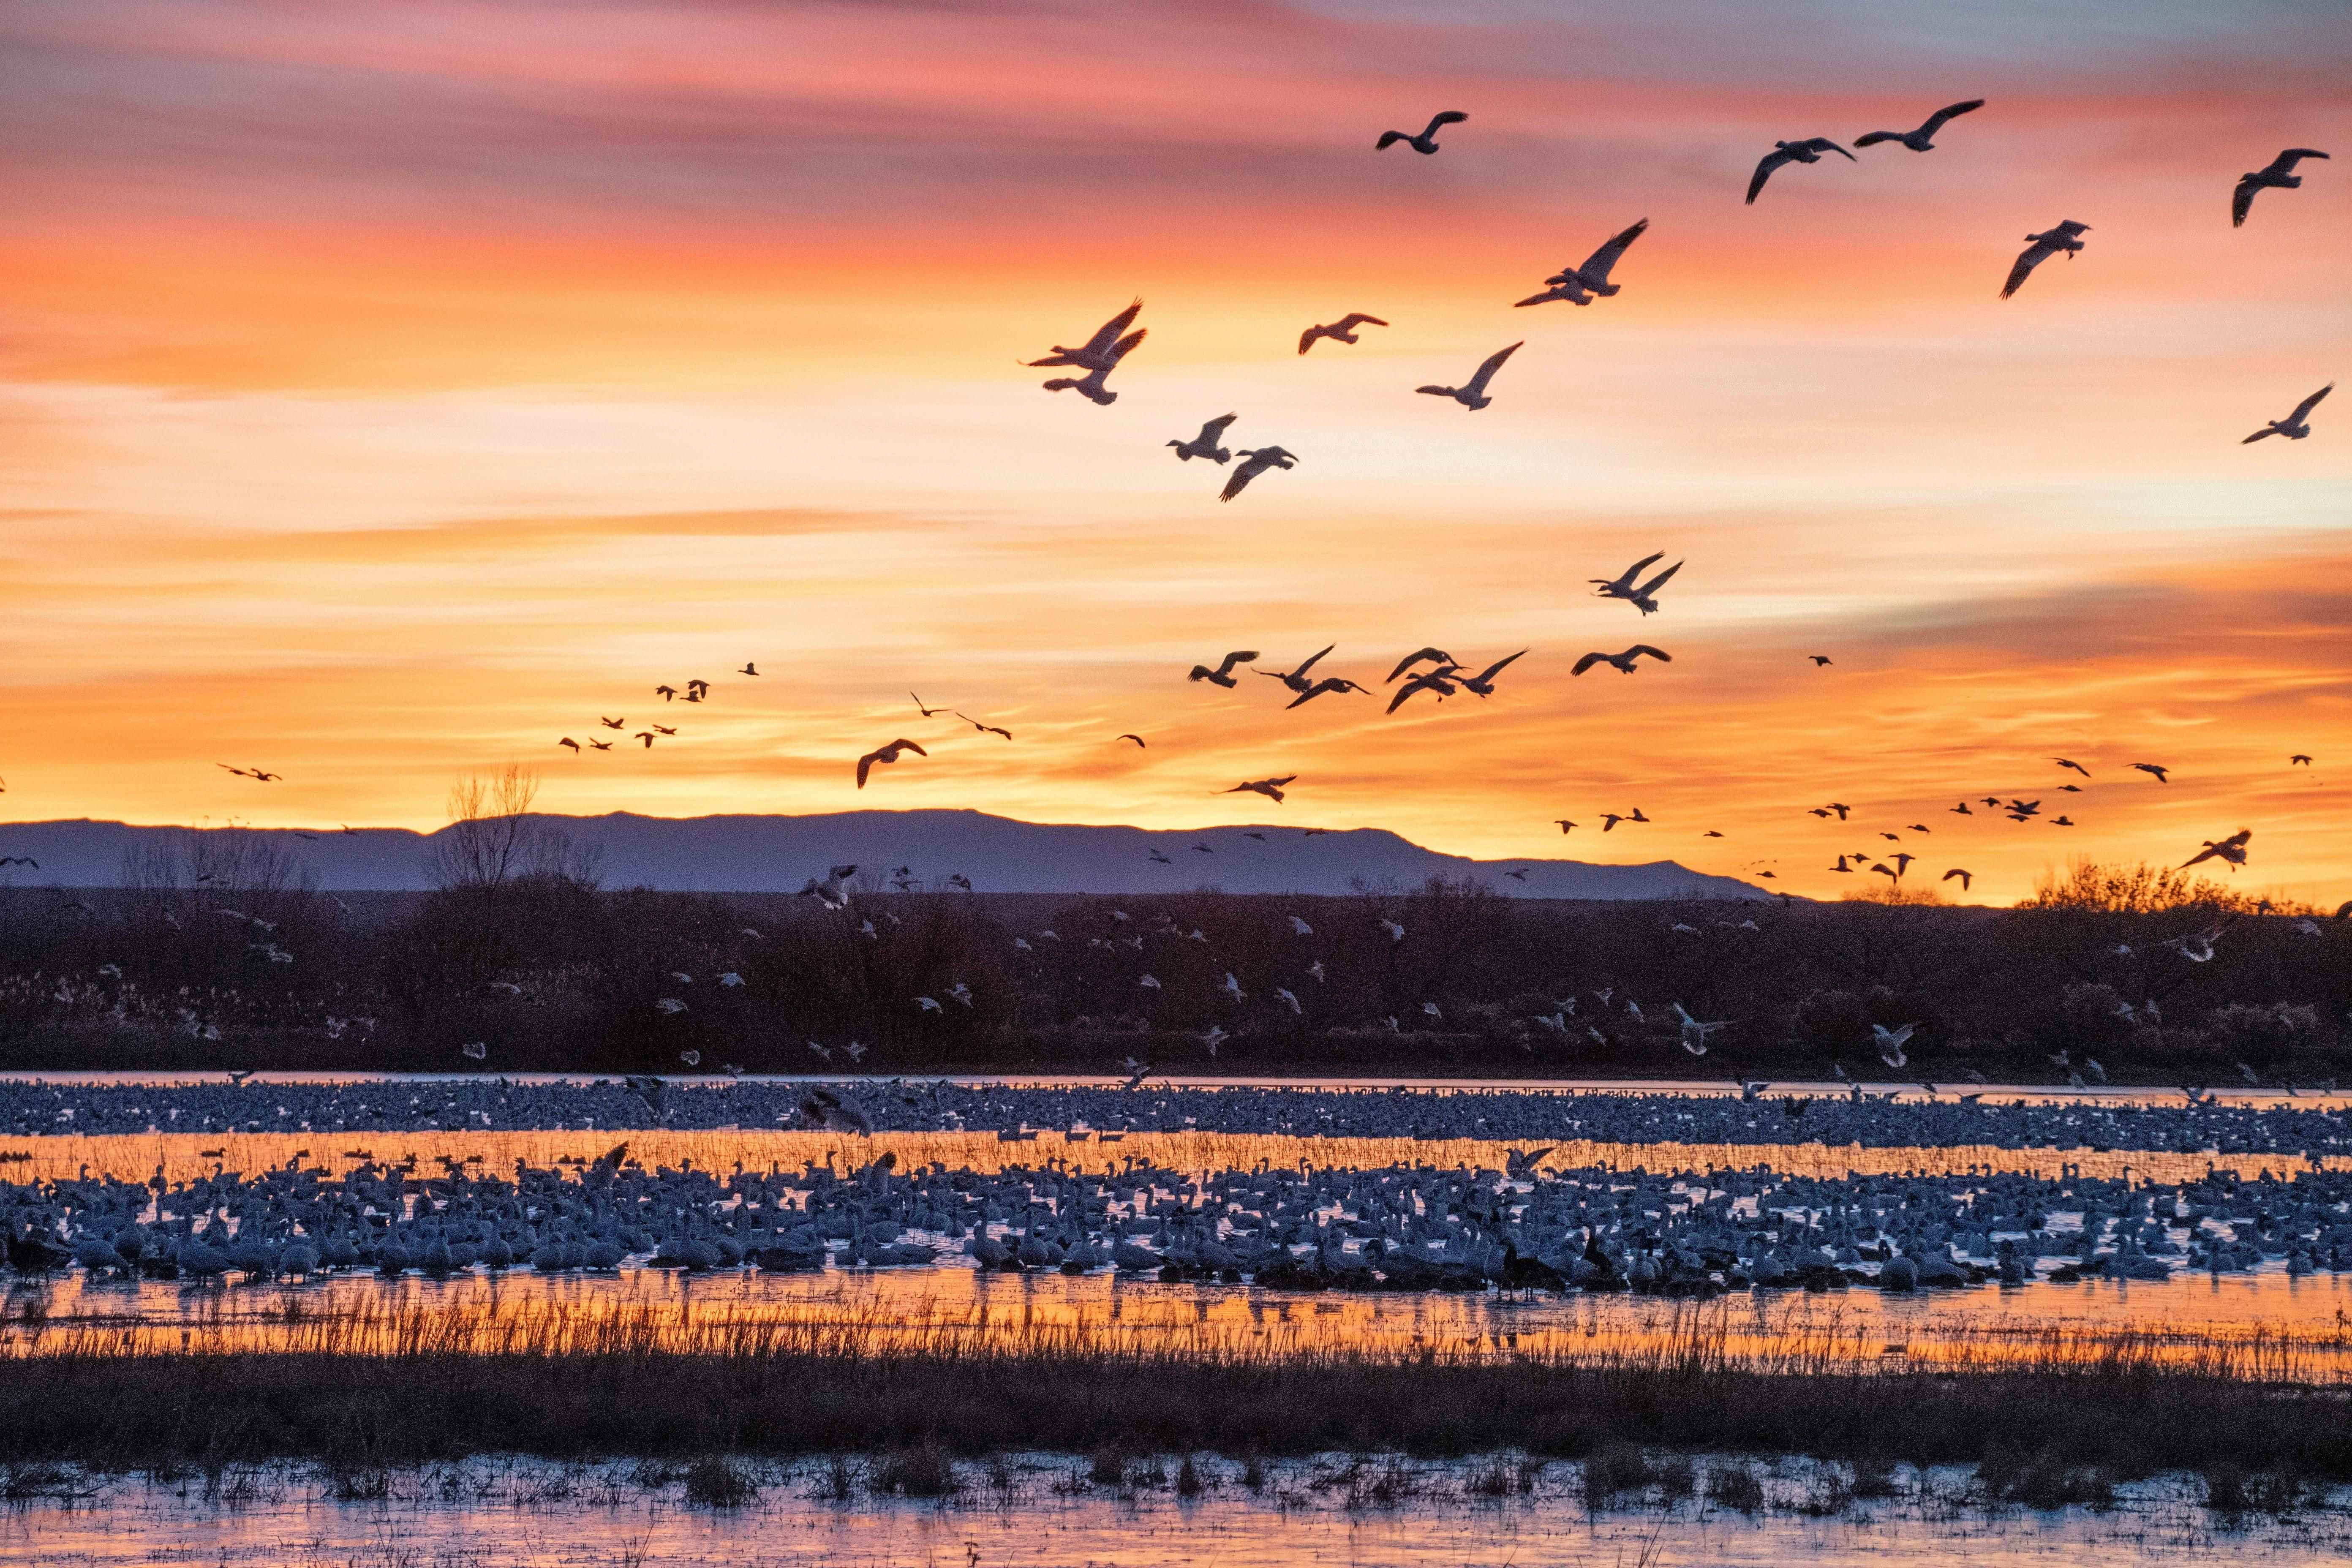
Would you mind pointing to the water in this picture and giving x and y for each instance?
(2291, 1326)
(1338, 1509)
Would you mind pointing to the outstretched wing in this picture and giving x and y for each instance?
(1497, 668)
(1597, 265)
(1874, 138)
(865, 765)
(1354, 318)
(2032, 257)
(1764, 167)
(1487, 371)
(2242, 200)
(2286, 161)
(1587, 662)
(1823, 145)
(1387, 138)
(1126, 345)
(1409, 660)
(1108, 333)
(1216, 427)
(1307, 339)
(1303, 668)
(1936, 121)
(1436, 391)
(1661, 654)
(1658, 582)
(1239, 478)
(1243, 657)
(1444, 117)
(2309, 404)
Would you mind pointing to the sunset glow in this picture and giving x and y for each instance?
(386, 392)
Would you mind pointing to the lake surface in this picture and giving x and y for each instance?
(1042, 1511)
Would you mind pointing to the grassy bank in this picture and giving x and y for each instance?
(160, 1411)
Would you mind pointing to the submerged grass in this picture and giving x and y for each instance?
(2094, 1410)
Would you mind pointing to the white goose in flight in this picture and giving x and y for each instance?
(1090, 385)
(1342, 330)
(1474, 395)
(1483, 683)
(1642, 595)
(1270, 788)
(2045, 246)
(1204, 445)
(1426, 143)
(1297, 679)
(1581, 285)
(1621, 662)
(2296, 426)
(1922, 139)
(2277, 174)
(1254, 463)
(886, 755)
(1331, 683)
(1224, 674)
(1103, 351)
(1440, 680)
(1809, 151)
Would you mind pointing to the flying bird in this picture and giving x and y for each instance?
(1921, 140)
(1204, 445)
(1426, 143)
(1334, 683)
(1137, 739)
(1628, 586)
(1439, 680)
(1224, 674)
(977, 726)
(1483, 683)
(1621, 662)
(2157, 769)
(1474, 395)
(1100, 352)
(1270, 788)
(568, 741)
(2232, 849)
(1342, 330)
(1966, 879)
(1581, 285)
(2045, 244)
(1564, 825)
(2067, 762)
(620, 724)
(1819, 660)
(1435, 656)
(2296, 426)
(1255, 461)
(2299, 759)
(1298, 680)
(927, 713)
(889, 753)
(1809, 151)
(2277, 174)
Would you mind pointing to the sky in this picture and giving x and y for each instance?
(386, 392)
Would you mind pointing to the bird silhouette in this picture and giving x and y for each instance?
(1426, 143)
(1255, 461)
(1921, 140)
(1809, 151)
(1621, 662)
(1581, 285)
(1224, 674)
(2277, 174)
(2050, 242)
(2296, 426)
(1342, 330)
(1204, 445)
(1270, 788)
(889, 753)
(1473, 396)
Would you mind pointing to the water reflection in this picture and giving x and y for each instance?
(1040, 1509)
(2263, 1325)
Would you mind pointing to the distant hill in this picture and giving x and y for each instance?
(777, 854)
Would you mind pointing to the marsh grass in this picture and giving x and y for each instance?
(718, 1482)
(1732, 1484)
(413, 1386)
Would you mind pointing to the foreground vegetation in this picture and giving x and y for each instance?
(2125, 1418)
(221, 956)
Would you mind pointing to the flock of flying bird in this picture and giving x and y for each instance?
(1109, 345)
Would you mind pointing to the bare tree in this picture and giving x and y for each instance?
(493, 838)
